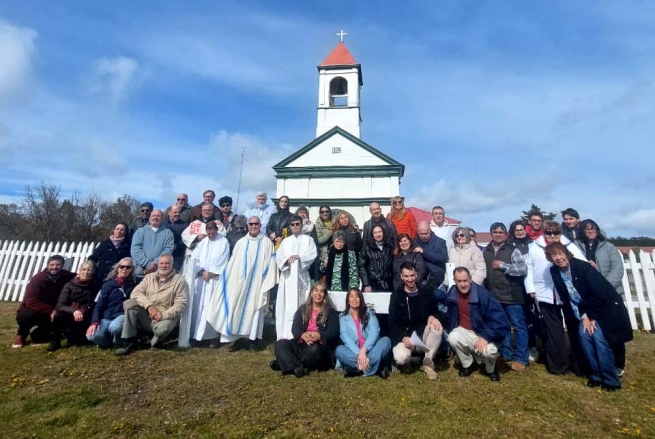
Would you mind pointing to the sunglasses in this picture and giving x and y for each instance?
(397, 202)
(145, 210)
(253, 224)
(461, 235)
(552, 233)
(124, 267)
(325, 211)
(181, 199)
(295, 224)
(226, 205)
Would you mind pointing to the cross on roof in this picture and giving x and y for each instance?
(342, 34)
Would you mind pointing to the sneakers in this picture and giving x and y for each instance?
(518, 367)
(533, 355)
(430, 372)
(494, 376)
(54, 345)
(274, 366)
(351, 372)
(383, 372)
(620, 372)
(19, 342)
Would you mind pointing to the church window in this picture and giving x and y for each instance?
(338, 92)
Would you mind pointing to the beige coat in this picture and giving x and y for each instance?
(469, 256)
(169, 297)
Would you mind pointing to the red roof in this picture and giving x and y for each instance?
(340, 56)
(424, 215)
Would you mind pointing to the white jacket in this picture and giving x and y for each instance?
(538, 279)
(469, 256)
(444, 232)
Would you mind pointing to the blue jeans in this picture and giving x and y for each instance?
(375, 355)
(599, 355)
(517, 321)
(108, 332)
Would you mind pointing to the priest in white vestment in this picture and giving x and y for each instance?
(203, 273)
(196, 231)
(294, 257)
(240, 301)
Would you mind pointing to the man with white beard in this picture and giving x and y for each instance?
(203, 274)
(239, 303)
(294, 257)
(261, 210)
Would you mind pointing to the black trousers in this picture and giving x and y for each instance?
(619, 355)
(75, 332)
(291, 355)
(558, 359)
(28, 319)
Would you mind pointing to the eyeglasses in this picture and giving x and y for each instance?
(325, 211)
(461, 235)
(253, 224)
(397, 202)
(552, 233)
(295, 224)
(226, 205)
(181, 199)
(145, 210)
(124, 267)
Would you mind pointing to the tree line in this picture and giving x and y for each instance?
(44, 215)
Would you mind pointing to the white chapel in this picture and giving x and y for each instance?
(338, 168)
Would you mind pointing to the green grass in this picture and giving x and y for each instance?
(87, 392)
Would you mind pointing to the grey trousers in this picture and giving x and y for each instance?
(463, 343)
(138, 318)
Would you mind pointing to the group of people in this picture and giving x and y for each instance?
(215, 274)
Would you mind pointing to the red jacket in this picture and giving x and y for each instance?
(405, 225)
(41, 295)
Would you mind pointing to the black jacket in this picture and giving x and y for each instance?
(390, 233)
(76, 296)
(177, 228)
(329, 331)
(278, 222)
(353, 239)
(600, 301)
(106, 255)
(376, 266)
(414, 258)
(409, 314)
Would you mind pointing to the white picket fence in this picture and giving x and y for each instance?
(20, 260)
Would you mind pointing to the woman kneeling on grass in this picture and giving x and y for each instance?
(363, 351)
(315, 332)
(108, 316)
(604, 320)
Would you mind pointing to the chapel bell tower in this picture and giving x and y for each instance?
(339, 83)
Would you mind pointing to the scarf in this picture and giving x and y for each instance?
(533, 234)
(590, 249)
(120, 280)
(115, 241)
(344, 267)
(307, 227)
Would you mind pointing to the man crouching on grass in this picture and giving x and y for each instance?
(477, 324)
(155, 306)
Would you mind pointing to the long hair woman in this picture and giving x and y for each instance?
(363, 351)
(315, 332)
(402, 218)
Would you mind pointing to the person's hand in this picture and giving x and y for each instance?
(362, 360)
(418, 250)
(154, 313)
(308, 338)
(272, 236)
(480, 345)
(408, 342)
(368, 289)
(325, 263)
(201, 236)
(434, 323)
(496, 265)
(278, 239)
(52, 315)
(207, 275)
(292, 259)
(151, 268)
(533, 295)
(588, 325)
(78, 315)
(592, 263)
(92, 329)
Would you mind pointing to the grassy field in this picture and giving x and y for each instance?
(86, 392)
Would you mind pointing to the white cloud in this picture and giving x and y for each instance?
(16, 48)
(639, 221)
(114, 78)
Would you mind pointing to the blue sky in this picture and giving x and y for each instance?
(490, 105)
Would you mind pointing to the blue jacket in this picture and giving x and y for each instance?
(348, 332)
(110, 300)
(488, 318)
(435, 256)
